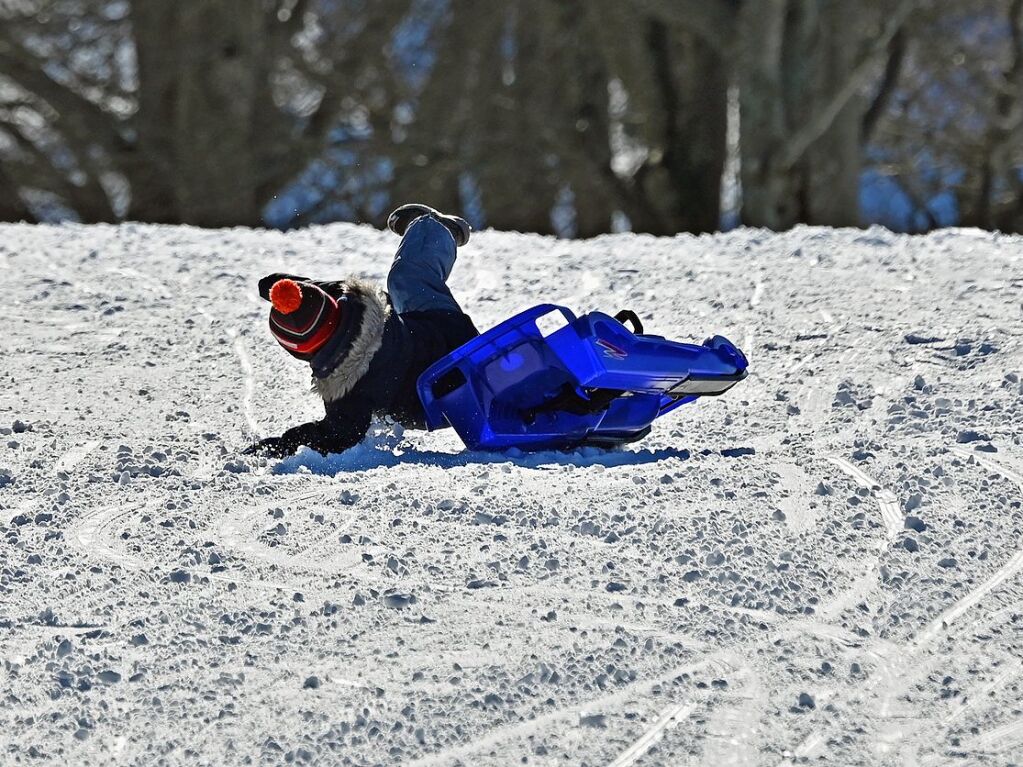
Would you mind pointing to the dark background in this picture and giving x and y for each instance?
(573, 117)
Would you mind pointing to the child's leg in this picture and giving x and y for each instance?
(418, 278)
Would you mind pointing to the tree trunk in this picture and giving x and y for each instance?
(431, 157)
(834, 162)
(1000, 150)
(199, 65)
(768, 196)
(512, 159)
(584, 139)
(801, 113)
(12, 207)
(692, 83)
(150, 161)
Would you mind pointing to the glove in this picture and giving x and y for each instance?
(271, 447)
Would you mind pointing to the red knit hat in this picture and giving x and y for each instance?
(303, 317)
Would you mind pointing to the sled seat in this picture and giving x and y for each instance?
(546, 379)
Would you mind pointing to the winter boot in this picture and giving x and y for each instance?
(400, 219)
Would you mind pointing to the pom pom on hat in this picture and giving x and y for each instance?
(303, 317)
(286, 296)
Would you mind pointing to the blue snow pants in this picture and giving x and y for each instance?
(418, 278)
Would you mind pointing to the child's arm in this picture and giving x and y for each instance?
(333, 434)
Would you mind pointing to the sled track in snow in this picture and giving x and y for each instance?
(867, 576)
(239, 531)
(862, 583)
(897, 663)
(732, 730)
(250, 381)
(991, 465)
(998, 739)
(723, 663)
(1007, 571)
(209, 465)
(975, 701)
(747, 721)
(744, 722)
(887, 504)
(150, 283)
(670, 716)
(1013, 668)
(505, 733)
(755, 296)
(941, 626)
(795, 506)
(882, 653)
(74, 456)
(93, 533)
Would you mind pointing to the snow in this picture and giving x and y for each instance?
(823, 563)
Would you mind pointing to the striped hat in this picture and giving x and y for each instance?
(303, 317)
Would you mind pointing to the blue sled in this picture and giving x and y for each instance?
(547, 380)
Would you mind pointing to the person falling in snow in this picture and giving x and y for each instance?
(367, 348)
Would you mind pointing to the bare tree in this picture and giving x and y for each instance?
(202, 110)
(674, 124)
(518, 104)
(803, 72)
(802, 69)
(997, 200)
(949, 136)
(207, 112)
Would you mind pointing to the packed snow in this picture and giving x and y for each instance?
(825, 563)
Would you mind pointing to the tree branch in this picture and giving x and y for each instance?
(797, 145)
(892, 72)
(12, 207)
(93, 122)
(346, 66)
(89, 200)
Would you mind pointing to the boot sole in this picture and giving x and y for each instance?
(458, 226)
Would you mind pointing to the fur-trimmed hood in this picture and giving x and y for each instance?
(347, 357)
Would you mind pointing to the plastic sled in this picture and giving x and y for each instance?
(547, 380)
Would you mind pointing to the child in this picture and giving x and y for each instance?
(368, 348)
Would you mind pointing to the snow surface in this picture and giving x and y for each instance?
(825, 563)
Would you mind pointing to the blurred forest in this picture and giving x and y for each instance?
(573, 117)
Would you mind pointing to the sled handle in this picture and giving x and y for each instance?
(631, 317)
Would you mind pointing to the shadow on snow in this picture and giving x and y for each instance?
(367, 456)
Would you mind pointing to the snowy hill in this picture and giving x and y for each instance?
(825, 562)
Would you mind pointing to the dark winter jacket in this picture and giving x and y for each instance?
(370, 366)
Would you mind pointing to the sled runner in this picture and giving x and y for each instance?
(546, 379)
